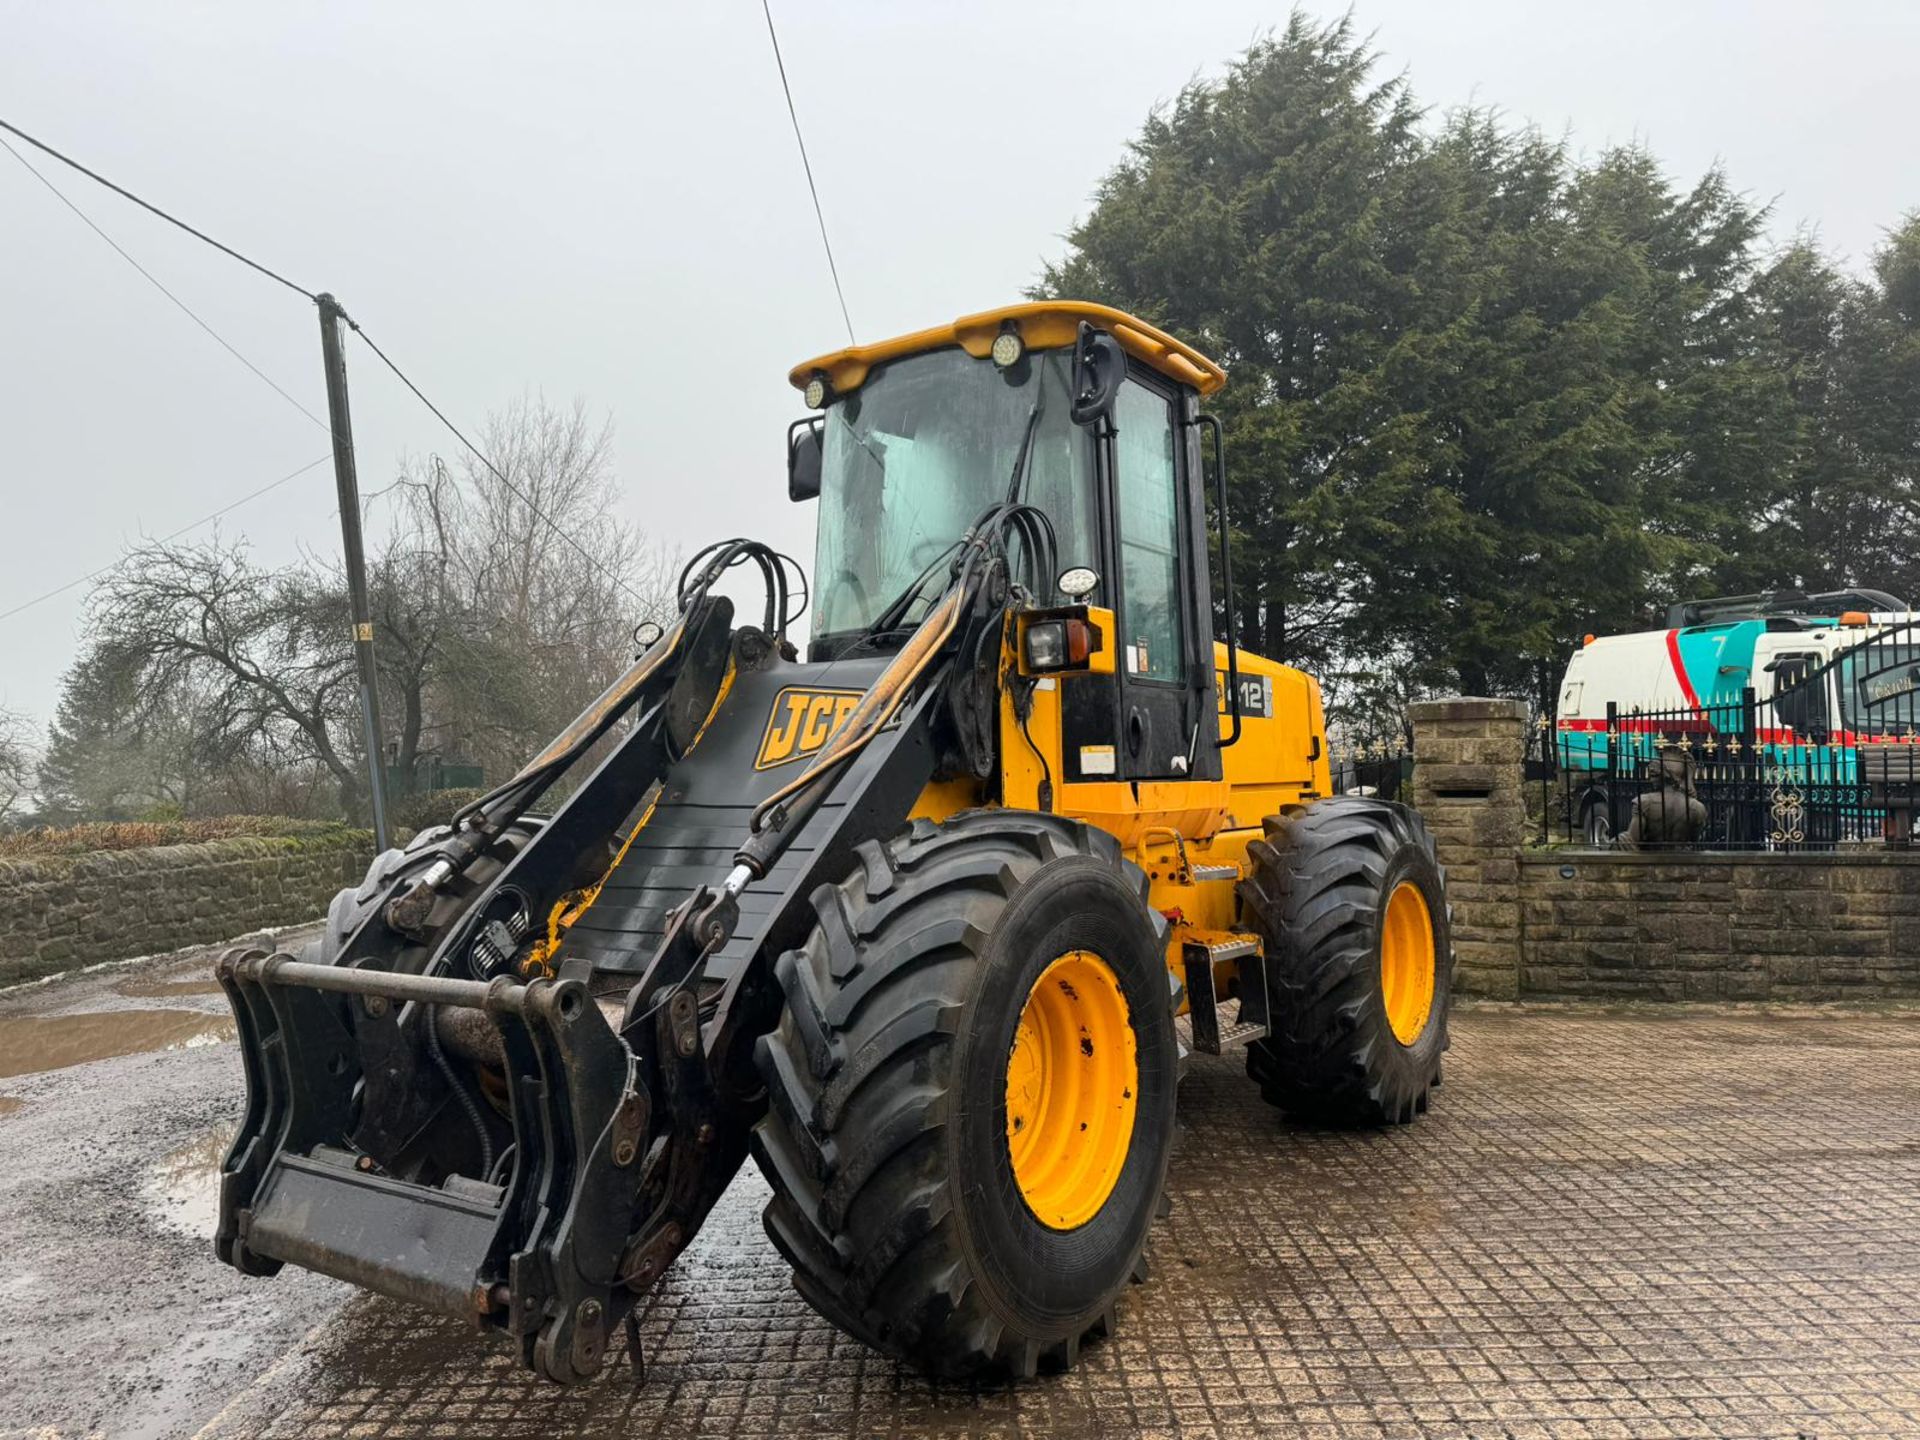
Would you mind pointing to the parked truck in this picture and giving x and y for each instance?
(1814, 691)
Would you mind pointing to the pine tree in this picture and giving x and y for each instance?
(1253, 218)
(1481, 398)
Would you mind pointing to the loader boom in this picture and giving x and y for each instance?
(345, 1143)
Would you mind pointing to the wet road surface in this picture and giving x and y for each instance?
(1628, 1224)
(116, 1089)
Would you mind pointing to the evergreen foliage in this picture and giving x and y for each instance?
(1485, 396)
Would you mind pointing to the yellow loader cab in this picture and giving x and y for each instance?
(910, 918)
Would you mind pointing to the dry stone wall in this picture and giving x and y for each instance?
(1789, 928)
(1567, 923)
(59, 912)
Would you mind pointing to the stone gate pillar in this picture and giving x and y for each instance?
(1468, 758)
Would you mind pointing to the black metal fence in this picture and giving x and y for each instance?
(1374, 768)
(1828, 757)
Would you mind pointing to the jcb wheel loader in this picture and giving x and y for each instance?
(912, 920)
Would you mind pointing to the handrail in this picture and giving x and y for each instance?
(1212, 422)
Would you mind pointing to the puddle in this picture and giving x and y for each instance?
(182, 1190)
(30, 1044)
(8, 1104)
(195, 981)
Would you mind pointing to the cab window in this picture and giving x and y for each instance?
(1145, 487)
(1880, 688)
(915, 456)
(1797, 704)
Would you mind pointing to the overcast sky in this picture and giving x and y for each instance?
(604, 202)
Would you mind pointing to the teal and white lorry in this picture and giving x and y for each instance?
(1811, 690)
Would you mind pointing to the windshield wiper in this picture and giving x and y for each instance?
(873, 639)
(887, 624)
(1026, 447)
(895, 610)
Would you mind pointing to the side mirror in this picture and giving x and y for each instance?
(1099, 365)
(803, 458)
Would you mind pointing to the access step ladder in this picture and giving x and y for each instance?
(1199, 957)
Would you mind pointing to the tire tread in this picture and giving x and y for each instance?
(858, 1075)
(1313, 893)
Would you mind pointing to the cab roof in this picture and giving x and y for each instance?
(1042, 325)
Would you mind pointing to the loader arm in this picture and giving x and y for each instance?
(434, 1116)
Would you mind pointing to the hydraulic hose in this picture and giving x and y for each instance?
(467, 1103)
(982, 548)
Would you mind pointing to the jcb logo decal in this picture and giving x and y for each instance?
(801, 722)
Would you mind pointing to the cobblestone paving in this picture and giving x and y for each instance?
(1619, 1225)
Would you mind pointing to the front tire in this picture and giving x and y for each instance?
(1350, 902)
(971, 1093)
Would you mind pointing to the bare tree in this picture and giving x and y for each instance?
(540, 582)
(265, 653)
(500, 608)
(16, 764)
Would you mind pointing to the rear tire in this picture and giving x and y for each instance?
(887, 1139)
(1350, 902)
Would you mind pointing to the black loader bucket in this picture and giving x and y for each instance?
(535, 1252)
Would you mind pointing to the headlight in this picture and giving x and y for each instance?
(1047, 645)
(1064, 644)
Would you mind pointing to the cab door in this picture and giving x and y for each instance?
(1153, 589)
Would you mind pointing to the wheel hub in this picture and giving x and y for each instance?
(1407, 961)
(1073, 1078)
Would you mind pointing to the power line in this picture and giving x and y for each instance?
(478, 454)
(807, 165)
(171, 535)
(155, 209)
(187, 309)
(546, 519)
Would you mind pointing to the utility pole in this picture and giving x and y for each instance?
(347, 482)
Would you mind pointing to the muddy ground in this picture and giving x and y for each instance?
(118, 1088)
(1664, 1222)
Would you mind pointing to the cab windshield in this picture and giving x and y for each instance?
(912, 457)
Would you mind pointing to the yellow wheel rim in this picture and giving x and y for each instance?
(1073, 1077)
(1406, 961)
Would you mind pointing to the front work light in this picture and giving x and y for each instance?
(816, 393)
(1007, 349)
